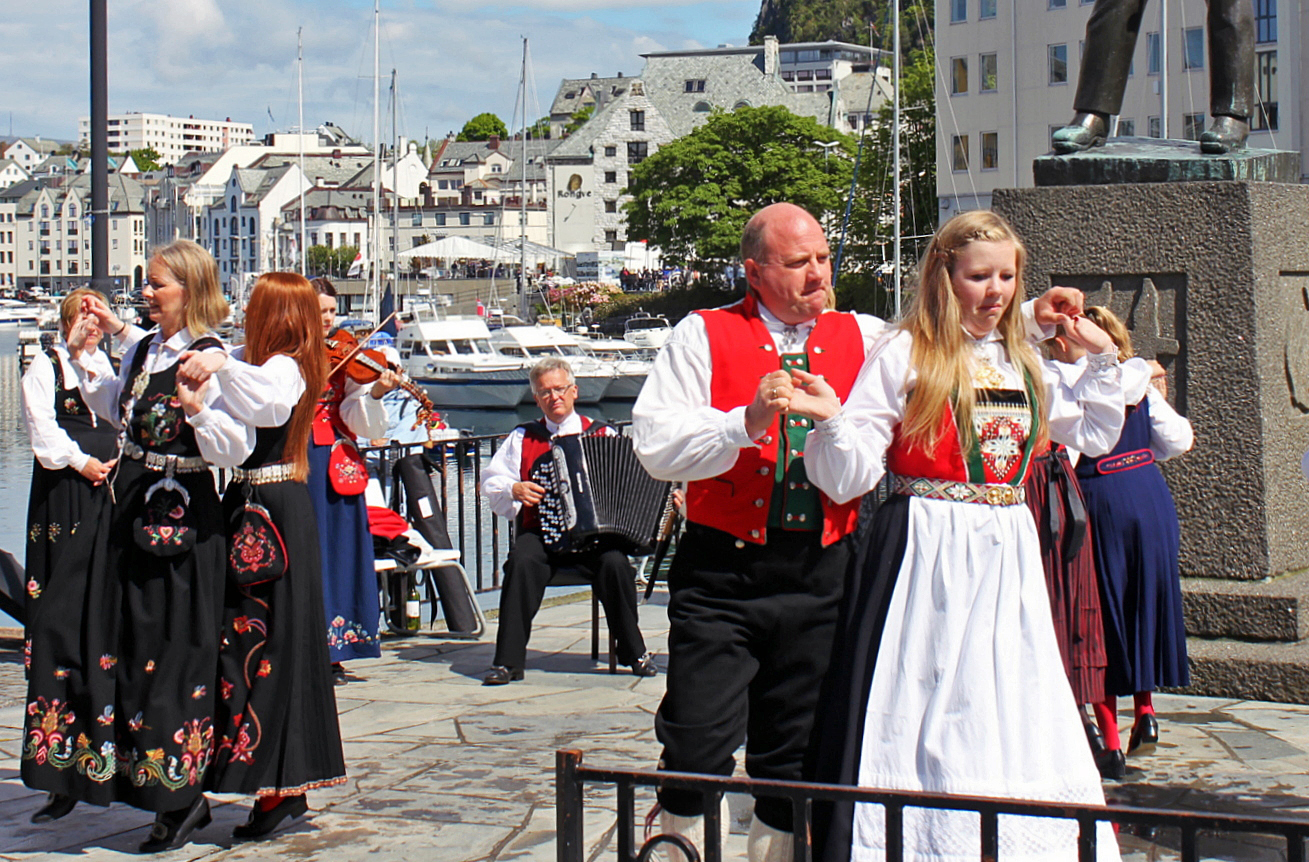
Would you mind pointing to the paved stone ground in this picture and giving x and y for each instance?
(442, 768)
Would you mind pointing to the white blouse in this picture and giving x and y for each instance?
(844, 455)
(263, 396)
(679, 436)
(223, 441)
(51, 443)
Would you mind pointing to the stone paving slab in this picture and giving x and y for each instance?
(442, 768)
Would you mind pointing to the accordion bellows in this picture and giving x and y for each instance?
(598, 497)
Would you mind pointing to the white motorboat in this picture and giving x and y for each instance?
(451, 357)
(632, 364)
(528, 344)
(15, 313)
(647, 331)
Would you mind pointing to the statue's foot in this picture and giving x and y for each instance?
(1085, 131)
(1226, 135)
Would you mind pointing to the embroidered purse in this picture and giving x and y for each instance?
(256, 553)
(346, 469)
(165, 527)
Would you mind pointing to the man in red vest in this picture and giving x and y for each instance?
(756, 584)
(509, 490)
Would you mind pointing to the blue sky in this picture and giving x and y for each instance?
(236, 58)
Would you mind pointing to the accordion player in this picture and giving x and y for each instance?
(599, 497)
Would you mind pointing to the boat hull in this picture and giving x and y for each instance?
(491, 389)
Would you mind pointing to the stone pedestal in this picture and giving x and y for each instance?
(1213, 280)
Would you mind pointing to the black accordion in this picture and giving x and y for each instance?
(598, 497)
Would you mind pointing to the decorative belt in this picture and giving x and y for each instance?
(959, 492)
(169, 464)
(267, 475)
(1133, 460)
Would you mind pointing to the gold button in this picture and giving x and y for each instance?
(763, 471)
(795, 453)
(789, 516)
(767, 438)
(740, 544)
(818, 350)
(791, 485)
(802, 517)
(754, 534)
(804, 485)
(759, 504)
(768, 347)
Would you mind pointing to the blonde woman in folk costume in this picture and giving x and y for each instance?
(948, 677)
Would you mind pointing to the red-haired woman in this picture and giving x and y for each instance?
(276, 731)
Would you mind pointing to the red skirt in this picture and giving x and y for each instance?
(1055, 501)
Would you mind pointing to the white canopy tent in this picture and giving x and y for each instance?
(459, 248)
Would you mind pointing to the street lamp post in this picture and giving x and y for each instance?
(827, 149)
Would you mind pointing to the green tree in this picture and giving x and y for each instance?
(694, 195)
(482, 127)
(580, 116)
(540, 130)
(146, 159)
(843, 21)
(332, 262)
(863, 282)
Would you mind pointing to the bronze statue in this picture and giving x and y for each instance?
(1110, 39)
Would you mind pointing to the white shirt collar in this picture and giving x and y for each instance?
(572, 424)
(177, 343)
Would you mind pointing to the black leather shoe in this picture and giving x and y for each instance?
(56, 805)
(1145, 736)
(1226, 135)
(1085, 131)
(172, 829)
(261, 823)
(645, 666)
(338, 673)
(1111, 763)
(1095, 738)
(500, 675)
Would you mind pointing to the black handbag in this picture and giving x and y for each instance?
(165, 527)
(256, 553)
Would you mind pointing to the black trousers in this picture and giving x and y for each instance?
(1111, 37)
(529, 570)
(750, 639)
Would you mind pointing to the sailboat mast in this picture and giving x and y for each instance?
(895, 149)
(395, 191)
(300, 86)
(374, 238)
(522, 197)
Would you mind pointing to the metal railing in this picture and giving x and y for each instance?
(571, 777)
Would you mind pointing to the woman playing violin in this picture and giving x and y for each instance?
(348, 409)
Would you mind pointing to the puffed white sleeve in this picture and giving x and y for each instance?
(1086, 414)
(1170, 432)
(363, 414)
(261, 395)
(100, 386)
(845, 455)
(224, 441)
(50, 443)
(677, 433)
(501, 474)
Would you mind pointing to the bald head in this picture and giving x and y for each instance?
(787, 262)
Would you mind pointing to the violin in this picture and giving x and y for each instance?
(365, 365)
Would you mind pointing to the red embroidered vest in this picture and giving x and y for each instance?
(741, 351)
(328, 424)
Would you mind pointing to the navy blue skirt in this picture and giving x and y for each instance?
(349, 580)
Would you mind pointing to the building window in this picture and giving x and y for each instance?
(701, 107)
(958, 11)
(357, 243)
(416, 219)
(788, 75)
(637, 119)
(465, 218)
(611, 206)
(1058, 4)
(1265, 79)
(440, 219)
(804, 75)
(1126, 127)
(611, 151)
(1152, 55)
(611, 176)
(988, 72)
(488, 218)
(960, 147)
(1192, 126)
(822, 74)
(1057, 57)
(958, 75)
(695, 85)
(611, 236)
(1265, 21)
(637, 152)
(990, 151)
(986, 9)
(1193, 48)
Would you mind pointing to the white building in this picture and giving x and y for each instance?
(29, 152)
(171, 137)
(1008, 72)
(11, 173)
